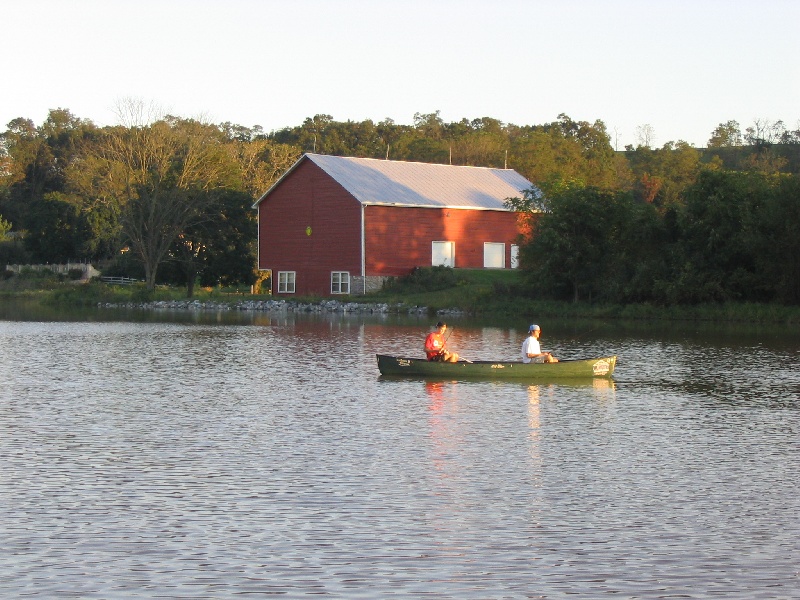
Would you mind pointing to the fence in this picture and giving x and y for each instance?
(118, 280)
(87, 270)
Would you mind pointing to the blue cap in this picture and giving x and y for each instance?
(533, 328)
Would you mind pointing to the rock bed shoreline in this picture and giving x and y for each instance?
(282, 306)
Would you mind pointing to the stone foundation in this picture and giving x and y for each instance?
(360, 286)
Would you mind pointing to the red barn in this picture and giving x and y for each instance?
(340, 225)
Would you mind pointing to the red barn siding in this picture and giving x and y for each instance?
(397, 239)
(308, 197)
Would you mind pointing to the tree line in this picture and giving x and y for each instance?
(169, 199)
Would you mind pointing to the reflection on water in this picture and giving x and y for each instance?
(268, 457)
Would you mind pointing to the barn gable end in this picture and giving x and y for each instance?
(309, 226)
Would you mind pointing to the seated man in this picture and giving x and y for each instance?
(434, 345)
(531, 351)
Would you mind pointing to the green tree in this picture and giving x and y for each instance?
(5, 227)
(260, 163)
(662, 175)
(567, 152)
(772, 229)
(230, 240)
(35, 195)
(159, 175)
(726, 135)
(480, 142)
(221, 248)
(572, 242)
(57, 231)
(718, 248)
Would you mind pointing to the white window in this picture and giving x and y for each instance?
(494, 255)
(340, 282)
(443, 254)
(514, 256)
(286, 282)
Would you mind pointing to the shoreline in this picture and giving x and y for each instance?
(285, 306)
(437, 304)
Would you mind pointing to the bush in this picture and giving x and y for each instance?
(12, 252)
(80, 295)
(140, 293)
(425, 279)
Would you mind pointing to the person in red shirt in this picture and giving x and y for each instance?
(434, 345)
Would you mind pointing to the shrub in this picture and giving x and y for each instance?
(425, 279)
(12, 252)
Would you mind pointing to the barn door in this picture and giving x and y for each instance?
(443, 254)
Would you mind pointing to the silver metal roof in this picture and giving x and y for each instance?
(391, 182)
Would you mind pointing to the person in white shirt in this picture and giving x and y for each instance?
(532, 351)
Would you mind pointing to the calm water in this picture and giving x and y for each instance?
(232, 455)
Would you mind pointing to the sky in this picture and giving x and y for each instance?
(681, 67)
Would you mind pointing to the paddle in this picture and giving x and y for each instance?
(449, 333)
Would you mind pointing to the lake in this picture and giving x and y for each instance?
(197, 455)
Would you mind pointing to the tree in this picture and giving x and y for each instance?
(35, 195)
(645, 135)
(429, 125)
(567, 152)
(764, 133)
(726, 135)
(5, 227)
(57, 232)
(261, 162)
(718, 248)
(571, 244)
(219, 249)
(159, 175)
(480, 142)
(662, 175)
(27, 165)
(772, 232)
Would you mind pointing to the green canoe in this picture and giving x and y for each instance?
(565, 369)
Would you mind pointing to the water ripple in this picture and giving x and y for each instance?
(185, 461)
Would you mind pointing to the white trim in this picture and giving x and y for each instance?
(440, 207)
(342, 281)
(451, 259)
(293, 279)
(258, 236)
(363, 242)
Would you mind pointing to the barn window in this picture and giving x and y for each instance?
(494, 255)
(286, 282)
(443, 254)
(340, 282)
(514, 256)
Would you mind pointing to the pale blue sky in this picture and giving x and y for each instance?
(680, 66)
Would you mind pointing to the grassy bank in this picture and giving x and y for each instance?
(54, 290)
(476, 292)
(499, 293)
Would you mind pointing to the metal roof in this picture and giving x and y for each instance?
(391, 182)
